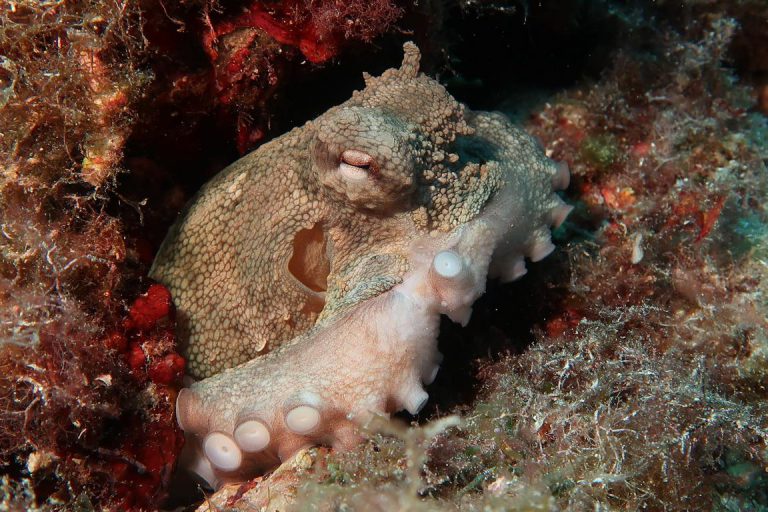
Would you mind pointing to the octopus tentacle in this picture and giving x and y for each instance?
(371, 359)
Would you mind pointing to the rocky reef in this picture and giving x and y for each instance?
(627, 371)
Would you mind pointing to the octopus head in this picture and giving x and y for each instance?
(365, 157)
(384, 147)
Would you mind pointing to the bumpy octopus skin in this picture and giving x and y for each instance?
(310, 275)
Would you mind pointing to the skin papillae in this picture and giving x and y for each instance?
(309, 276)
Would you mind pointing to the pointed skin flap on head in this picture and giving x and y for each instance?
(411, 58)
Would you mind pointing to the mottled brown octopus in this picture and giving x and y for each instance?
(309, 276)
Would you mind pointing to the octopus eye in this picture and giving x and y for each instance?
(355, 165)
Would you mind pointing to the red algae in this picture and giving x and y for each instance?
(148, 309)
(79, 416)
(248, 54)
(75, 424)
(317, 28)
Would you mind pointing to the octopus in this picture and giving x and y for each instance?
(309, 276)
